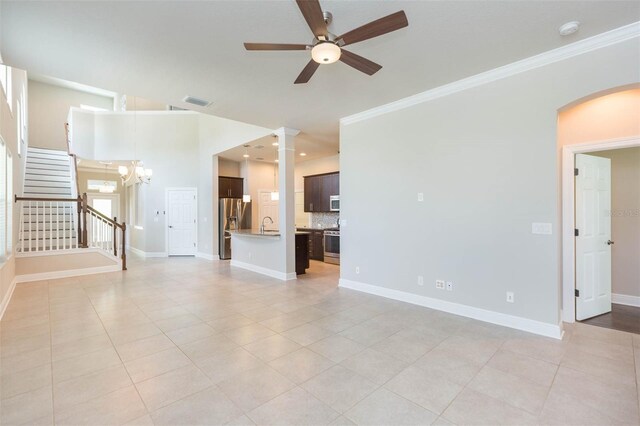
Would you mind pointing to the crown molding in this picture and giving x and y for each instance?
(596, 42)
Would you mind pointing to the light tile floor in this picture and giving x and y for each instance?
(188, 342)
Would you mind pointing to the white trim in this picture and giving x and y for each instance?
(59, 252)
(67, 273)
(206, 256)
(7, 298)
(599, 41)
(265, 271)
(532, 326)
(625, 299)
(166, 218)
(147, 254)
(569, 152)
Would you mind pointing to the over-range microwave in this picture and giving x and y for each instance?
(334, 203)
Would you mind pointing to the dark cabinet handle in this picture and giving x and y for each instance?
(610, 242)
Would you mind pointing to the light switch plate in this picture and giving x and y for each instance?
(541, 228)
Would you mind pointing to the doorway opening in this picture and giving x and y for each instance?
(601, 218)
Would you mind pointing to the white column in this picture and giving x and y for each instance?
(286, 207)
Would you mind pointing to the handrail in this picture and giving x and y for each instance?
(62, 200)
(75, 158)
(83, 225)
(103, 217)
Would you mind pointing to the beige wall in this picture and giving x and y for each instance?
(612, 116)
(8, 132)
(625, 219)
(258, 176)
(135, 103)
(228, 167)
(49, 108)
(84, 176)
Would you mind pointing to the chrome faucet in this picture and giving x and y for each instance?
(262, 225)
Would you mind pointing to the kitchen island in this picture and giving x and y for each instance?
(257, 251)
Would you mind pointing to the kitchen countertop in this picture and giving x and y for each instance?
(328, 228)
(267, 234)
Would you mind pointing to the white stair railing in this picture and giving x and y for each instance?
(48, 224)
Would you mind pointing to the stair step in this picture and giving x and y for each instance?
(47, 178)
(45, 172)
(45, 150)
(47, 159)
(46, 183)
(44, 192)
(47, 166)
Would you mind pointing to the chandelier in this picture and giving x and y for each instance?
(137, 171)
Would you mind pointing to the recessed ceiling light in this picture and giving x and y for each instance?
(196, 101)
(106, 163)
(259, 158)
(245, 155)
(303, 154)
(275, 144)
(259, 146)
(569, 28)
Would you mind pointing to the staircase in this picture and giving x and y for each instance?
(48, 174)
(50, 218)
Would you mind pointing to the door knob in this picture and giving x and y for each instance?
(609, 242)
(170, 226)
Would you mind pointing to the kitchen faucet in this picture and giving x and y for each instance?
(262, 225)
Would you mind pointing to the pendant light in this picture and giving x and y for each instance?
(275, 195)
(106, 187)
(246, 198)
(142, 174)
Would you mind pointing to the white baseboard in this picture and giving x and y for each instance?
(206, 256)
(148, 254)
(7, 298)
(511, 321)
(67, 273)
(264, 271)
(625, 299)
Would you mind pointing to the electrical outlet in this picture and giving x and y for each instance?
(357, 269)
(420, 280)
(440, 284)
(510, 297)
(420, 196)
(449, 286)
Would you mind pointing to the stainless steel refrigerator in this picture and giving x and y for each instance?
(234, 214)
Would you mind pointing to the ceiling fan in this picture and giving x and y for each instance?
(327, 48)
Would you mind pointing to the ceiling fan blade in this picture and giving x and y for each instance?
(359, 63)
(274, 46)
(376, 28)
(307, 72)
(312, 12)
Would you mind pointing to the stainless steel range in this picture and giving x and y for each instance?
(332, 246)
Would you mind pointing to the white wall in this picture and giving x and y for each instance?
(48, 110)
(228, 168)
(625, 219)
(180, 147)
(486, 160)
(9, 133)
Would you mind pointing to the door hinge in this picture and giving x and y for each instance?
(577, 293)
(576, 172)
(577, 233)
(194, 244)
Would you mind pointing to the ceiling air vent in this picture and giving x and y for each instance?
(196, 101)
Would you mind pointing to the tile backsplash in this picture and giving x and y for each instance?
(324, 220)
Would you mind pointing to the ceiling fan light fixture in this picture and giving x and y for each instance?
(325, 52)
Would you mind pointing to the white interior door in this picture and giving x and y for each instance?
(181, 222)
(593, 243)
(268, 207)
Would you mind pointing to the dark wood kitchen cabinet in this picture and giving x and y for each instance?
(302, 252)
(230, 187)
(318, 189)
(316, 243)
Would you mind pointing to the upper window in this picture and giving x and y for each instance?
(97, 185)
